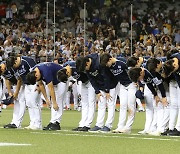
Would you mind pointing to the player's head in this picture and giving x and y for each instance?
(33, 76)
(154, 65)
(170, 66)
(106, 60)
(136, 74)
(134, 61)
(62, 75)
(13, 61)
(83, 64)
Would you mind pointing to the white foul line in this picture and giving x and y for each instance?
(107, 136)
(13, 144)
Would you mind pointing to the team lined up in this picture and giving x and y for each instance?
(101, 78)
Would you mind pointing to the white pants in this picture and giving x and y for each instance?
(102, 109)
(88, 102)
(149, 100)
(60, 90)
(127, 102)
(161, 115)
(174, 91)
(19, 107)
(32, 98)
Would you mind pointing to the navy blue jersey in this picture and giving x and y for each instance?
(98, 75)
(154, 79)
(119, 70)
(25, 67)
(10, 75)
(49, 71)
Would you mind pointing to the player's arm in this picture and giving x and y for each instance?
(18, 86)
(8, 86)
(43, 90)
(53, 96)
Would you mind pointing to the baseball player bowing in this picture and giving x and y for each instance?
(18, 111)
(104, 85)
(47, 72)
(29, 95)
(87, 92)
(171, 68)
(126, 92)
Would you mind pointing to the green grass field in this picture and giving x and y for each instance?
(67, 141)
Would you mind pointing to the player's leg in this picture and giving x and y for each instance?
(57, 115)
(132, 88)
(123, 107)
(111, 103)
(32, 97)
(148, 97)
(173, 106)
(91, 107)
(101, 113)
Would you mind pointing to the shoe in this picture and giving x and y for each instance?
(155, 133)
(84, 129)
(117, 130)
(55, 126)
(143, 132)
(10, 126)
(94, 129)
(105, 129)
(48, 126)
(166, 132)
(77, 129)
(175, 132)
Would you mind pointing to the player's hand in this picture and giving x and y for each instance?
(157, 99)
(55, 106)
(15, 95)
(164, 101)
(108, 96)
(98, 96)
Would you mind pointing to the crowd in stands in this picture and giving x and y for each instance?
(156, 28)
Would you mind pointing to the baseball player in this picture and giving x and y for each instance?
(87, 92)
(171, 69)
(142, 75)
(28, 94)
(126, 92)
(47, 72)
(104, 84)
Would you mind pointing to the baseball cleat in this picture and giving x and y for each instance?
(105, 129)
(95, 129)
(10, 126)
(84, 129)
(174, 132)
(76, 129)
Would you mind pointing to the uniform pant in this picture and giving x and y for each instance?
(32, 98)
(127, 103)
(19, 108)
(174, 91)
(59, 89)
(88, 102)
(102, 109)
